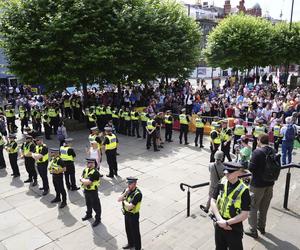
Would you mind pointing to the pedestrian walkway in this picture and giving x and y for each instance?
(29, 221)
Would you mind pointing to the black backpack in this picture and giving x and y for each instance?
(273, 165)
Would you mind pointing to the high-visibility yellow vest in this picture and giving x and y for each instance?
(112, 142)
(36, 114)
(167, 121)
(64, 154)
(133, 117)
(239, 130)
(95, 184)
(52, 112)
(126, 116)
(78, 102)
(22, 113)
(130, 198)
(183, 119)
(199, 123)
(102, 112)
(277, 131)
(98, 111)
(91, 117)
(26, 148)
(38, 150)
(214, 125)
(10, 148)
(144, 117)
(67, 104)
(108, 110)
(115, 114)
(54, 168)
(258, 130)
(150, 125)
(224, 136)
(46, 120)
(9, 113)
(217, 140)
(229, 205)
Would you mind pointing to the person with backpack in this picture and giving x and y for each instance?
(61, 133)
(289, 133)
(265, 168)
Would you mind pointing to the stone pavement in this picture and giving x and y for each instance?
(29, 221)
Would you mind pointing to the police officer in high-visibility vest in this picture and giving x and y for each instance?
(28, 147)
(168, 120)
(90, 180)
(2, 160)
(258, 130)
(67, 107)
(184, 126)
(215, 141)
(144, 118)
(277, 135)
(230, 205)
(135, 117)
(10, 118)
(56, 169)
(108, 114)
(53, 113)
(115, 119)
(67, 154)
(23, 116)
(121, 120)
(200, 122)
(226, 135)
(151, 132)
(131, 200)
(47, 127)
(238, 131)
(127, 122)
(41, 157)
(91, 118)
(12, 150)
(110, 144)
(36, 116)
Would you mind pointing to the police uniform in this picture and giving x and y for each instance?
(37, 120)
(42, 165)
(115, 119)
(215, 142)
(199, 131)
(53, 113)
(168, 119)
(91, 118)
(47, 127)
(238, 131)
(23, 115)
(121, 121)
(10, 118)
(151, 133)
(2, 160)
(231, 199)
(225, 135)
(110, 143)
(56, 169)
(13, 149)
(277, 135)
(132, 225)
(144, 118)
(108, 114)
(127, 122)
(27, 148)
(67, 155)
(135, 123)
(184, 127)
(257, 130)
(91, 192)
(67, 107)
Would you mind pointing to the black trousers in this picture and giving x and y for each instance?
(111, 158)
(277, 142)
(213, 151)
(235, 139)
(254, 144)
(24, 123)
(168, 132)
(152, 137)
(116, 124)
(38, 125)
(70, 174)
(127, 128)
(58, 183)
(13, 160)
(144, 124)
(184, 129)
(92, 202)
(43, 172)
(132, 227)
(11, 126)
(122, 125)
(226, 151)
(29, 166)
(68, 113)
(199, 134)
(2, 160)
(54, 123)
(47, 130)
(226, 239)
(135, 128)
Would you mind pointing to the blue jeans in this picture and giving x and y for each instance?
(287, 149)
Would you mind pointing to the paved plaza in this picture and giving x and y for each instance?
(29, 221)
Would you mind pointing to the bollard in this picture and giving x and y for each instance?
(287, 189)
(188, 202)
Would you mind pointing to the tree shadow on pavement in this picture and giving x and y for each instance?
(276, 243)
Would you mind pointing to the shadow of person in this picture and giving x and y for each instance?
(276, 243)
(65, 216)
(75, 196)
(17, 182)
(46, 199)
(3, 172)
(101, 236)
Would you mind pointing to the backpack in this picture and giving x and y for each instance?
(290, 133)
(273, 165)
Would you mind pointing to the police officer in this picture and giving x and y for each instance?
(91, 118)
(134, 115)
(256, 131)
(41, 157)
(115, 118)
(36, 116)
(215, 141)
(238, 131)
(226, 134)
(108, 114)
(199, 130)
(144, 118)
(131, 200)
(277, 135)
(2, 160)
(53, 113)
(13, 149)
(67, 106)
(23, 116)
(68, 155)
(168, 119)
(28, 147)
(56, 169)
(47, 126)
(110, 144)
(151, 133)
(90, 180)
(10, 118)
(184, 126)
(231, 205)
(127, 122)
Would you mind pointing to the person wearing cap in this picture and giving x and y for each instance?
(256, 131)
(131, 199)
(13, 149)
(110, 144)
(95, 135)
(216, 174)
(151, 132)
(10, 118)
(277, 134)
(56, 169)
(115, 119)
(110, 124)
(41, 157)
(99, 112)
(67, 154)
(135, 116)
(53, 113)
(23, 116)
(168, 120)
(36, 116)
(90, 180)
(184, 126)
(200, 122)
(215, 141)
(127, 122)
(2, 160)
(28, 147)
(144, 116)
(226, 135)
(238, 131)
(230, 204)
(67, 106)
(47, 127)
(91, 118)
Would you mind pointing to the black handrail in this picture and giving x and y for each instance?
(189, 193)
